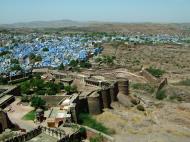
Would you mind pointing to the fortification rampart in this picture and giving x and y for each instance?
(104, 96)
(56, 133)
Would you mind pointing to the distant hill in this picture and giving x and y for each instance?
(46, 24)
(93, 26)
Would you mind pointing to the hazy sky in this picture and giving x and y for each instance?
(12, 11)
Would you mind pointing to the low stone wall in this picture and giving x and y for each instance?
(162, 84)
(26, 136)
(148, 76)
(53, 100)
(92, 82)
(59, 134)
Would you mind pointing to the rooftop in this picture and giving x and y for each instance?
(43, 138)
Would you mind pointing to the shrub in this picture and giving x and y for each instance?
(16, 67)
(25, 87)
(85, 64)
(25, 98)
(91, 122)
(4, 53)
(140, 108)
(45, 49)
(98, 138)
(98, 60)
(73, 63)
(35, 58)
(61, 67)
(160, 95)
(108, 59)
(37, 102)
(70, 89)
(3, 81)
(82, 131)
(40, 92)
(143, 86)
(14, 61)
(155, 72)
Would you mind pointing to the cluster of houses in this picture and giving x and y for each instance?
(54, 50)
(150, 39)
(51, 52)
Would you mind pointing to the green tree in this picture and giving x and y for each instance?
(45, 49)
(70, 89)
(16, 67)
(25, 98)
(85, 64)
(3, 81)
(61, 67)
(37, 84)
(14, 61)
(155, 72)
(38, 58)
(73, 63)
(37, 102)
(25, 87)
(161, 94)
(32, 56)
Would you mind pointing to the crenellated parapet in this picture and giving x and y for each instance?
(60, 135)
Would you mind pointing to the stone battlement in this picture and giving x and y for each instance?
(59, 134)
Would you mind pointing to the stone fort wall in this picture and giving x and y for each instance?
(60, 135)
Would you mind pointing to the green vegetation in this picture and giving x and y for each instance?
(140, 107)
(155, 72)
(98, 138)
(109, 60)
(85, 64)
(143, 86)
(37, 102)
(25, 87)
(70, 89)
(14, 61)
(30, 115)
(61, 67)
(39, 87)
(73, 63)
(35, 58)
(45, 49)
(161, 94)
(3, 80)
(87, 120)
(4, 53)
(25, 98)
(16, 67)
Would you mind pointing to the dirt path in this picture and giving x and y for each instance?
(17, 112)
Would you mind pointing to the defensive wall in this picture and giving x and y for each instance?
(56, 133)
(94, 102)
(8, 94)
